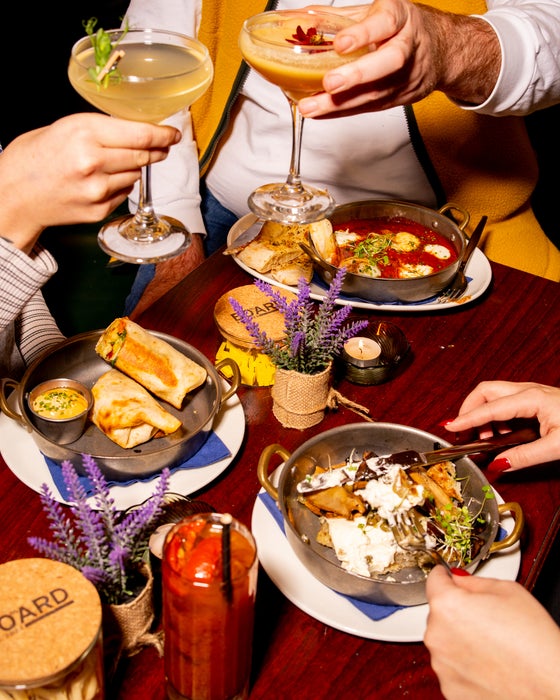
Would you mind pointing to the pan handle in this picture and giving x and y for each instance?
(6, 383)
(329, 271)
(235, 379)
(464, 213)
(517, 513)
(263, 467)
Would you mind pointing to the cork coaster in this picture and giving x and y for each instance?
(50, 616)
(259, 305)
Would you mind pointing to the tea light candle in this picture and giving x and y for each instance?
(361, 351)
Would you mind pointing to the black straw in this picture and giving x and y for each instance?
(226, 521)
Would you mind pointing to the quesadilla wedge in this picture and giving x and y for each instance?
(127, 413)
(151, 361)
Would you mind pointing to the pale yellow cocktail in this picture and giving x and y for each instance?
(147, 75)
(154, 80)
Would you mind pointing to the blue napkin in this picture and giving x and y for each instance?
(373, 611)
(213, 450)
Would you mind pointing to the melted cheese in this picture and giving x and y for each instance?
(405, 241)
(407, 271)
(345, 236)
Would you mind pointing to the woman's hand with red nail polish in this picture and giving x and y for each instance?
(493, 404)
(499, 465)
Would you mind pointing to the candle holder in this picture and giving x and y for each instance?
(373, 357)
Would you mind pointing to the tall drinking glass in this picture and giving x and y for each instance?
(160, 73)
(293, 49)
(209, 582)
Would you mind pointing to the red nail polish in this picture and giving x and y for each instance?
(459, 572)
(443, 423)
(499, 465)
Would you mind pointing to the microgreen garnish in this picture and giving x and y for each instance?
(458, 527)
(374, 249)
(311, 37)
(106, 54)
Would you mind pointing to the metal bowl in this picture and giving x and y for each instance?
(76, 358)
(405, 587)
(60, 430)
(385, 290)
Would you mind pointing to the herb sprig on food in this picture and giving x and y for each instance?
(106, 54)
(459, 528)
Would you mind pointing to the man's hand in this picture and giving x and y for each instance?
(413, 50)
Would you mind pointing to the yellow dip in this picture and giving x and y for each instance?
(60, 403)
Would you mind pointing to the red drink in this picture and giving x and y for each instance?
(208, 625)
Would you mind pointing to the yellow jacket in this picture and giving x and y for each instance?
(482, 163)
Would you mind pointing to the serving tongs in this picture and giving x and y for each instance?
(411, 458)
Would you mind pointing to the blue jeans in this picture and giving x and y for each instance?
(217, 219)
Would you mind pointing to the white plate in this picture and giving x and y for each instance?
(25, 460)
(306, 592)
(478, 272)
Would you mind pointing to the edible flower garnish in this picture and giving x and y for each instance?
(107, 55)
(311, 37)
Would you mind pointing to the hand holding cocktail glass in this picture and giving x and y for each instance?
(293, 49)
(158, 74)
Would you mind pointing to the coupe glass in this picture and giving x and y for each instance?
(293, 49)
(160, 73)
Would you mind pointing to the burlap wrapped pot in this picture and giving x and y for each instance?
(300, 400)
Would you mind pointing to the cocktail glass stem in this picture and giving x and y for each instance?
(293, 182)
(146, 226)
(292, 201)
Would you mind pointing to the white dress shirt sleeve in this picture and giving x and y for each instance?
(176, 181)
(529, 34)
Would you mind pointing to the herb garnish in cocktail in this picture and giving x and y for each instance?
(144, 75)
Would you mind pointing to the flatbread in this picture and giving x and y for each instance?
(152, 362)
(127, 413)
(291, 273)
(276, 250)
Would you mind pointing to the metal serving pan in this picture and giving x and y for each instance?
(75, 358)
(391, 290)
(404, 587)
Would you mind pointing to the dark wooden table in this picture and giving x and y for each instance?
(509, 333)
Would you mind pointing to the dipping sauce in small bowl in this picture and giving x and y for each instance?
(59, 409)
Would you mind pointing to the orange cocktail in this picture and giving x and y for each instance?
(293, 49)
(208, 618)
(271, 47)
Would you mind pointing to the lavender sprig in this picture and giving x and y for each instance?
(105, 546)
(313, 337)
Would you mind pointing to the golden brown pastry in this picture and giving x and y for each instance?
(152, 362)
(127, 413)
